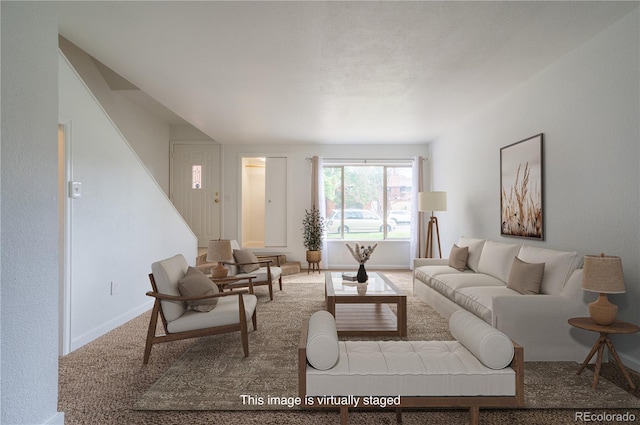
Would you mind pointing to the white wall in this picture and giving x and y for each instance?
(29, 218)
(121, 224)
(147, 133)
(587, 106)
(391, 254)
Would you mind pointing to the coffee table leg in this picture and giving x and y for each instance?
(331, 305)
(402, 316)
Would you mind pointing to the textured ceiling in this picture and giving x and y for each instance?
(330, 72)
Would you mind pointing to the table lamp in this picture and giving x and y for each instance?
(219, 250)
(432, 201)
(603, 274)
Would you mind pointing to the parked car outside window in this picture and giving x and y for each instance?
(356, 220)
(396, 217)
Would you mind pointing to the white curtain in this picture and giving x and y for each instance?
(318, 201)
(417, 229)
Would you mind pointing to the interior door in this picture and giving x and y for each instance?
(275, 209)
(195, 189)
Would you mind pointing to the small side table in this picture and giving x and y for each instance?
(617, 327)
(223, 282)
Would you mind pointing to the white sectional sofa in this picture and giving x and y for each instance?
(537, 321)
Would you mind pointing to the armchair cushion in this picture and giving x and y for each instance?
(246, 256)
(166, 274)
(225, 313)
(194, 284)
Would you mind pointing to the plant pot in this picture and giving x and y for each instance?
(314, 256)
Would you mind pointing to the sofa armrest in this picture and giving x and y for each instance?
(539, 324)
(419, 262)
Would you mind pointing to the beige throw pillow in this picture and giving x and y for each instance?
(525, 278)
(195, 284)
(458, 257)
(245, 256)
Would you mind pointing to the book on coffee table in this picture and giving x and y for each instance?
(349, 276)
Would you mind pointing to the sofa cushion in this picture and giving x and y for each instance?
(246, 256)
(497, 258)
(458, 257)
(426, 273)
(475, 250)
(322, 341)
(493, 348)
(558, 266)
(479, 299)
(525, 278)
(194, 284)
(448, 284)
(408, 368)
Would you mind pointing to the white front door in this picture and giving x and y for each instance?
(195, 189)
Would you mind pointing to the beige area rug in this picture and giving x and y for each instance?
(214, 375)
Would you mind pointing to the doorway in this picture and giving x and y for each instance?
(195, 188)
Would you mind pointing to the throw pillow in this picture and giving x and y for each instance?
(458, 257)
(525, 278)
(245, 256)
(194, 284)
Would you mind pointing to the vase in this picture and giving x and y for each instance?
(362, 277)
(362, 288)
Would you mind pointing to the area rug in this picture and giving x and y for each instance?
(213, 374)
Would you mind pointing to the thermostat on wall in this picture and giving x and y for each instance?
(75, 189)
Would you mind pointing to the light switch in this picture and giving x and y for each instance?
(75, 190)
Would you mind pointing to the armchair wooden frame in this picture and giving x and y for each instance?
(263, 262)
(152, 338)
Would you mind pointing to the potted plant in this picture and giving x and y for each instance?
(313, 226)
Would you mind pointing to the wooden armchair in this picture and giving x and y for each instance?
(262, 269)
(231, 312)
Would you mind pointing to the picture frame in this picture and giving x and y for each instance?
(522, 189)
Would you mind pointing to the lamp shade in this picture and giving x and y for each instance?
(432, 201)
(603, 274)
(219, 250)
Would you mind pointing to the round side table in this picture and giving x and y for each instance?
(617, 327)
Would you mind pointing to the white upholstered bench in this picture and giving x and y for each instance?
(482, 368)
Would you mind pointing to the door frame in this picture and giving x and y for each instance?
(64, 222)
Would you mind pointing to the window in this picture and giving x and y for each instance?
(196, 177)
(371, 202)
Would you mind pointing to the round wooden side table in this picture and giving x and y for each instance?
(617, 327)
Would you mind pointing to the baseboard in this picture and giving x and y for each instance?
(110, 325)
(57, 419)
(629, 362)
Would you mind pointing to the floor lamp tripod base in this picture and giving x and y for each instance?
(433, 222)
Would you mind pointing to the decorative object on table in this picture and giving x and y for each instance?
(361, 255)
(313, 226)
(521, 189)
(218, 251)
(362, 288)
(603, 274)
(349, 276)
(432, 201)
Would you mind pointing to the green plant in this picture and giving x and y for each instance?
(313, 226)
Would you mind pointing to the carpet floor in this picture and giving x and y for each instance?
(201, 381)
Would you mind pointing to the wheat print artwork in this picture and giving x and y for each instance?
(521, 189)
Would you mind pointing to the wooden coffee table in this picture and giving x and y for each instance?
(363, 309)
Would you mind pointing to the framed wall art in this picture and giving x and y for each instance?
(522, 189)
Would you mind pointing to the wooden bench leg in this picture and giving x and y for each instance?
(399, 415)
(474, 415)
(344, 415)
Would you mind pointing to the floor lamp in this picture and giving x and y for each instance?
(432, 201)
